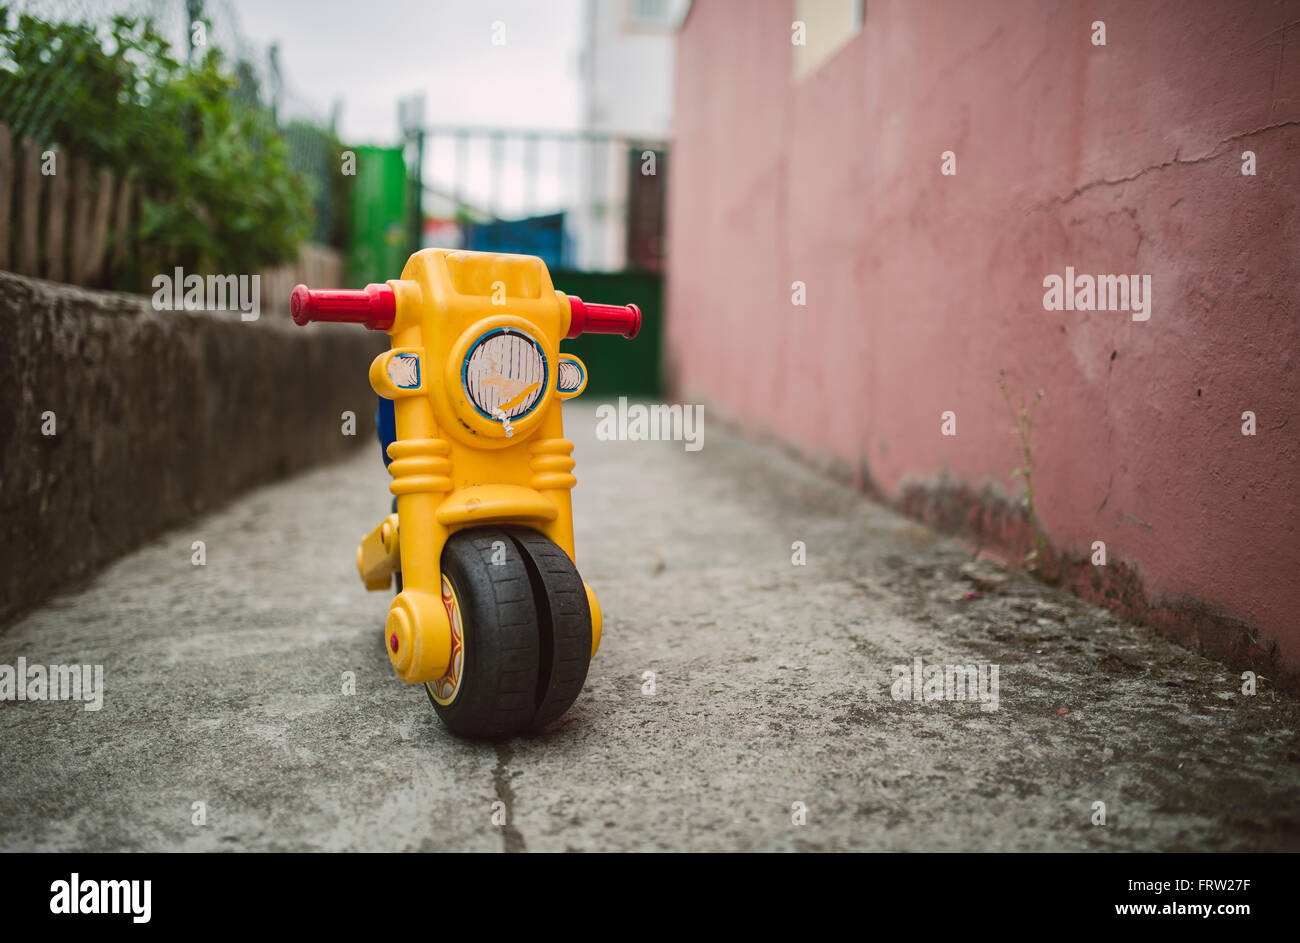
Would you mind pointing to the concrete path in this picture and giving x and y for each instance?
(771, 688)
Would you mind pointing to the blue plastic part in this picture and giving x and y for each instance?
(386, 426)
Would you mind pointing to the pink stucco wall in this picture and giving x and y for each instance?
(1122, 159)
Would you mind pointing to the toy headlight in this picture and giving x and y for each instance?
(505, 374)
(404, 371)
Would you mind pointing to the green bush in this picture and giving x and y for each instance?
(219, 192)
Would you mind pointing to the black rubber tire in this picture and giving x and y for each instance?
(498, 686)
(564, 623)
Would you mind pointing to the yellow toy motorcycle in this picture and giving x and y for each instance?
(490, 614)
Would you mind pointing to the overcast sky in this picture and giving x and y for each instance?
(369, 54)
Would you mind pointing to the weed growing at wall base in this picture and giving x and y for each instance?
(1024, 420)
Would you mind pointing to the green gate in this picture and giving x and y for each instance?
(379, 246)
(617, 366)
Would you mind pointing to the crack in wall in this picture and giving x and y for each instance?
(1218, 151)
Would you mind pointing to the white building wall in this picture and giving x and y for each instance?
(627, 69)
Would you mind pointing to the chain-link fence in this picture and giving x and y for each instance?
(171, 96)
(189, 27)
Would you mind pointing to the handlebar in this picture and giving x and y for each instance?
(603, 319)
(375, 306)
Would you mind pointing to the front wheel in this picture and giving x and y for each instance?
(521, 632)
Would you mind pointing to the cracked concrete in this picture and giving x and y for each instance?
(771, 687)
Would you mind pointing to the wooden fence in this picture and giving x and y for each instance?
(59, 218)
(65, 221)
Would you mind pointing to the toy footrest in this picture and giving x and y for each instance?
(379, 555)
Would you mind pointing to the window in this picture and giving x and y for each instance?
(827, 26)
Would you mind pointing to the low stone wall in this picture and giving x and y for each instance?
(156, 417)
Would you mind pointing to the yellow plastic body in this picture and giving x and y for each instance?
(453, 465)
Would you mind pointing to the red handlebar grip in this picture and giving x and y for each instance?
(603, 319)
(375, 306)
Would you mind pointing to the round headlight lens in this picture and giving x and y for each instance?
(505, 374)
